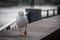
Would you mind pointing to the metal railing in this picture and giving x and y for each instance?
(7, 26)
(47, 12)
(50, 10)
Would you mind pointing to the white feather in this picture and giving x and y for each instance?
(21, 20)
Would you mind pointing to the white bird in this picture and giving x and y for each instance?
(21, 21)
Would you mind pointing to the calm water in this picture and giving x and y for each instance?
(9, 14)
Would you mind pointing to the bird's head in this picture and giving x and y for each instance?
(21, 13)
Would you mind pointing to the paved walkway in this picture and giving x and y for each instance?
(36, 30)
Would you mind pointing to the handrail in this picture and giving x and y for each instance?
(49, 9)
(42, 10)
(7, 25)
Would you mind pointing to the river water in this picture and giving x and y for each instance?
(9, 13)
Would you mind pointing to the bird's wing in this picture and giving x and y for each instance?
(26, 18)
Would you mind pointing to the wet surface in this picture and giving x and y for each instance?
(35, 30)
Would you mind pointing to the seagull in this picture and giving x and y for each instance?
(21, 21)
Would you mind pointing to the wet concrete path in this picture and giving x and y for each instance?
(36, 30)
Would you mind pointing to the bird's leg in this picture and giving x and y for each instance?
(25, 32)
(20, 31)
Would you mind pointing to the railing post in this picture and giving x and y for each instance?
(8, 27)
(40, 14)
(47, 13)
(58, 10)
(53, 12)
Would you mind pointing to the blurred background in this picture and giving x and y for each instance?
(4, 3)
